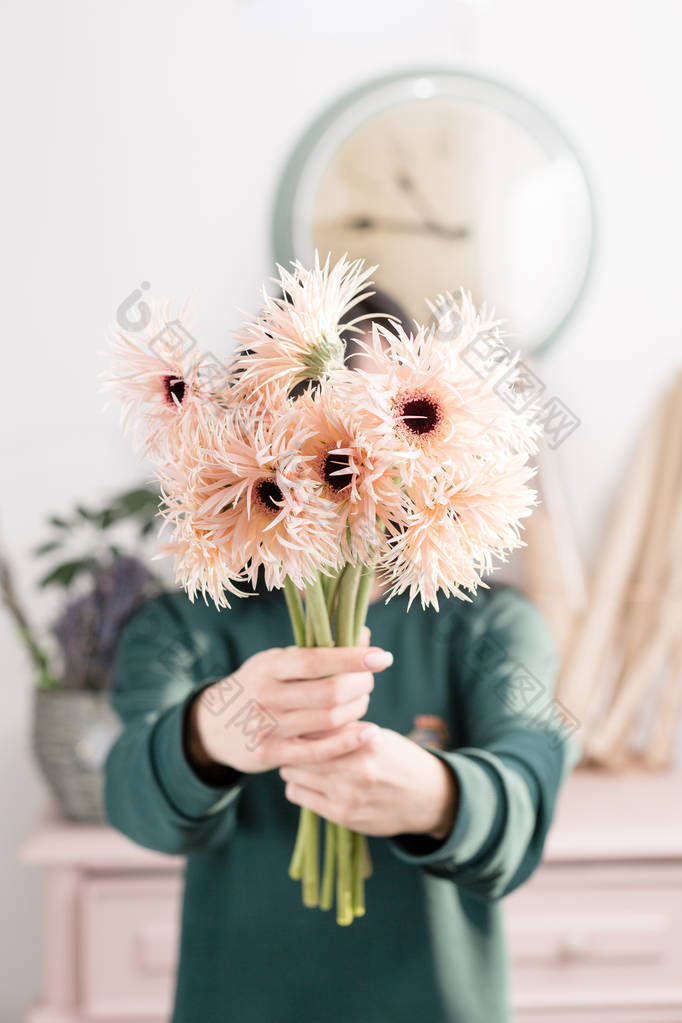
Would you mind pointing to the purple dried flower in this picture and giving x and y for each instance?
(90, 624)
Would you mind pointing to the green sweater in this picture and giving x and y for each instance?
(432, 943)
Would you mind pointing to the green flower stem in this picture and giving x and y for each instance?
(345, 636)
(362, 862)
(316, 631)
(311, 858)
(362, 600)
(298, 625)
(317, 608)
(327, 893)
(345, 610)
(359, 863)
(309, 629)
(346, 853)
(344, 879)
(332, 590)
(295, 608)
(367, 872)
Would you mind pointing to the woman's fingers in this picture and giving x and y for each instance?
(303, 722)
(295, 663)
(317, 696)
(310, 798)
(314, 751)
(311, 776)
(325, 693)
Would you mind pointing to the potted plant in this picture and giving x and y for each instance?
(96, 560)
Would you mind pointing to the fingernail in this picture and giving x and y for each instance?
(368, 732)
(376, 659)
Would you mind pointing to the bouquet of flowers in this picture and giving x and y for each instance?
(287, 462)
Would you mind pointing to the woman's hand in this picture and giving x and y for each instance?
(388, 786)
(312, 697)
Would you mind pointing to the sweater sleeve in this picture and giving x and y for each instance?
(152, 793)
(518, 748)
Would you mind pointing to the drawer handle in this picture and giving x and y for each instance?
(156, 948)
(573, 946)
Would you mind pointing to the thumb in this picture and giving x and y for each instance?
(365, 635)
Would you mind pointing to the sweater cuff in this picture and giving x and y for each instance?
(193, 797)
(478, 816)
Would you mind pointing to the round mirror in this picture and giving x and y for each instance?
(445, 179)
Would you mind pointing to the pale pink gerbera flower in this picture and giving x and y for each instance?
(247, 494)
(298, 337)
(157, 374)
(202, 564)
(441, 410)
(485, 352)
(454, 526)
(457, 320)
(356, 462)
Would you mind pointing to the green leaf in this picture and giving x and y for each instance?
(47, 548)
(86, 514)
(47, 681)
(54, 520)
(109, 517)
(65, 573)
(140, 499)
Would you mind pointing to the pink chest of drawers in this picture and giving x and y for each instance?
(595, 935)
(111, 921)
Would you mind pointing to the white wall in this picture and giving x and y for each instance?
(142, 141)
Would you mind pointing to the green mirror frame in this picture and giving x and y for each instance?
(408, 85)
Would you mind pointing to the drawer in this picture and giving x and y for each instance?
(600, 938)
(128, 951)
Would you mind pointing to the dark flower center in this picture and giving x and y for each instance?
(420, 414)
(174, 390)
(335, 462)
(268, 495)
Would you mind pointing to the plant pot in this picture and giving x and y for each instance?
(73, 731)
